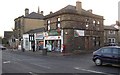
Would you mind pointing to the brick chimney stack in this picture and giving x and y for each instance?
(79, 7)
(26, 11)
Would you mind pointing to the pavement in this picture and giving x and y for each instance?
(40, 52)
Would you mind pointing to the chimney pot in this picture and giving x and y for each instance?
(42, 12)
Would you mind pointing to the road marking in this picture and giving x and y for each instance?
(42, 66)
(78, 68)
(6, 62)
(30, 72)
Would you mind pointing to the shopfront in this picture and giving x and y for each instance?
(26, 42)
(53, 41)
(39, 41)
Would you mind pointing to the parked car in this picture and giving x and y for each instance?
(108, 55)
(2, 47)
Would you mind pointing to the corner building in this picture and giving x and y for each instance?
(73, 28)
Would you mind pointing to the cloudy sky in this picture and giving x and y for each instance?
(11, 9)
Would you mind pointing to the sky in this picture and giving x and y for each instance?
(11, 9)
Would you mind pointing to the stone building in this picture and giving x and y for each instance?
(73, 28)
(110, 35)
(27, 22)
(7, 38)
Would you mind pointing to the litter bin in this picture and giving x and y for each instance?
(44, 51)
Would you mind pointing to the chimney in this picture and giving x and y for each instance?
(26, 11)
(90, 10)
(79, 6)
(51, 12)
(42, 12)
(117, 23)
(38, 10)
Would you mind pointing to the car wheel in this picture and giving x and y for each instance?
(98, 62)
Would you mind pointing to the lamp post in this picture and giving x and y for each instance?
(73, 38)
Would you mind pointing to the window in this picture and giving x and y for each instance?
(111, 40)
(87, 25)
(26, 41)
(48, 25)
(106, 50)
(116, 51)
(94, 23)
(94, 41)
(98, 22)
(58, 19)
(87, 20)
(111, 32)
(97, 27)
(58, 23)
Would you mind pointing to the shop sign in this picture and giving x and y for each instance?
(39, 36)
(53, 33)
(78, 33)
(53, 37)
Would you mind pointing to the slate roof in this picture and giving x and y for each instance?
(34, 15)
(71, 10)
(35, 30)
(110, 28)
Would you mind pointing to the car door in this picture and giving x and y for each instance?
(107, 55)
(116, 56)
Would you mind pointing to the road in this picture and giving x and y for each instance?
(35, 63)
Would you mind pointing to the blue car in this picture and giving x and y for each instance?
(107, 55)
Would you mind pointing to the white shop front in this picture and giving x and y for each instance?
(26, 42)
(53, 43)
